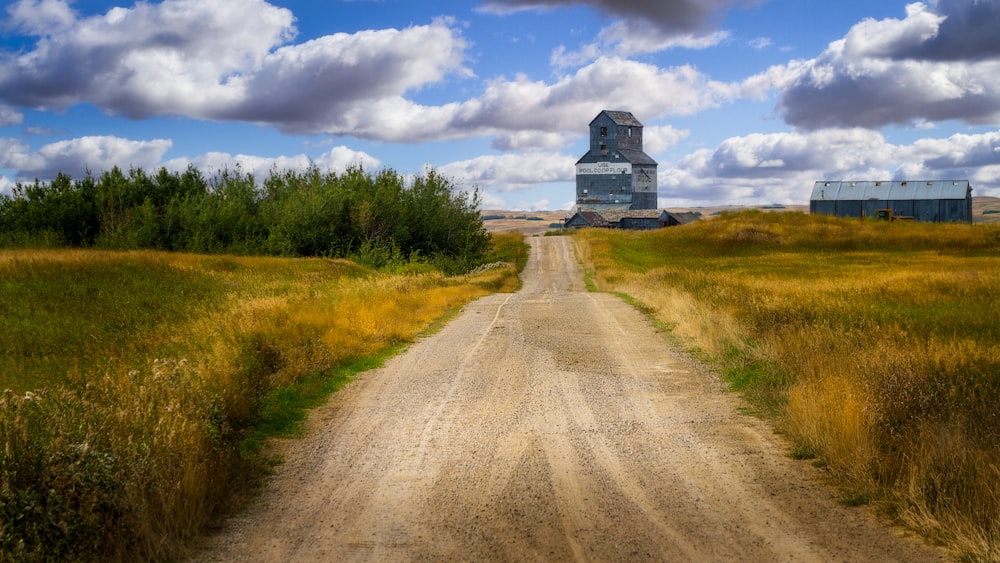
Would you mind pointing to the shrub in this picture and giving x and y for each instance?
(377, 217)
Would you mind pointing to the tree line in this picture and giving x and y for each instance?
(377, 218)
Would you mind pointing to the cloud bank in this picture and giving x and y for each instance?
(939, 63)
(242, 61)
(782, 167)
(98, 154)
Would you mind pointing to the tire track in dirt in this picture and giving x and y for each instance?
(550, 424)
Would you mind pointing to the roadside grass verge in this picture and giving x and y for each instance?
(874, 346)
(140, 387)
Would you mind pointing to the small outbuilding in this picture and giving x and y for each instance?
(636, 220)
(582, 219)
(672, 219)
(937, 201)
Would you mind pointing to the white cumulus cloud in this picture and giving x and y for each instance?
(782, 167)
(511, 172)
(77, 156)
(336, 159)
(936, 64)
(228, 60)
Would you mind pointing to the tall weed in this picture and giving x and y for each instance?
(143, 384)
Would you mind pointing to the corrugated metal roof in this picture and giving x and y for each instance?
(617, 216)
(610, 217)
(592, 218)
(890, 191)
(681, 217)
(637, 157)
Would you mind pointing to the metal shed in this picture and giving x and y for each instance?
(926, 200)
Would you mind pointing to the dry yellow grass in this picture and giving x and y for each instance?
(874, 346)
(133, 379)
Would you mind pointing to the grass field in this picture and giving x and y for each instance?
(874, 346)
(140, 387)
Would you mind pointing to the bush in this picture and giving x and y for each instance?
(376, 217)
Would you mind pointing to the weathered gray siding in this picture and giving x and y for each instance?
(615, 173)
(930, 201)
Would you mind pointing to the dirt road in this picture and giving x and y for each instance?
(550, 424)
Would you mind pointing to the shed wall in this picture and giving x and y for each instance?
(639, 223)
(931, 201)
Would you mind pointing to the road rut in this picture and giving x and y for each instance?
(550, 424)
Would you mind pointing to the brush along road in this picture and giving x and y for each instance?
(550, 424)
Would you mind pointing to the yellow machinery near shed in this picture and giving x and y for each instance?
(888, 215)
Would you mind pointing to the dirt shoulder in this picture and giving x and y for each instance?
(550, 424)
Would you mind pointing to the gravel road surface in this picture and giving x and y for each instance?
(551, 424)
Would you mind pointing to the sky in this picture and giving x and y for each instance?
(744, 102)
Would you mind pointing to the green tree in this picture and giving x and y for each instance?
(291, 213)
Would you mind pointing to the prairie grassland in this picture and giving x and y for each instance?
(875, 346)
(137, 384)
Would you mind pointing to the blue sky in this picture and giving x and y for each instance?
(744, 101)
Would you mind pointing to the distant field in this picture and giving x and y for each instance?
(526, 222)
(984, 210)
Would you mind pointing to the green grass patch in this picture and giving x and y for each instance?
(804, 451)
(508, 247)
(284, 410)
(859, 499)
(72, 316)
